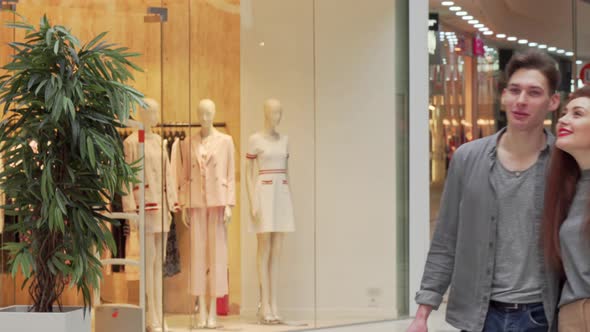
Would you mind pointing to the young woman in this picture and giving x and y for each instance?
(567, 211)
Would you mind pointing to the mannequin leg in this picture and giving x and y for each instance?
(160, 240)
(198, 224)
(217, 249)
(263, 274)
(275, 258)
(212, 321)
(202, 311)
(150, 263)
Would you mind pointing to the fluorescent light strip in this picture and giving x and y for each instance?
(569, 53)
(479, 25)
(455, 8)
(560, 51)
(461, 13)
(473, 21)
(501, 36)
(523, 41)
(533, 44)
(467, 17)
(579, 62)
(542, 46)
(487, 33)
(484, 29)
(512, 38)
(447, 3)
(552, 49)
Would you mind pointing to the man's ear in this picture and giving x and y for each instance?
(554, 102)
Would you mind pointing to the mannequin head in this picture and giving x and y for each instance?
(273, 112)
(150, 114)
(206, 113)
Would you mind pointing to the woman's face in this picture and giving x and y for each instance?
(573, 128)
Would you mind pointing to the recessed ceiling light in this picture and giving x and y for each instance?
(579, 62)
(569, 53)
(487, 33)
(542, 46)
(479, 25)
(560, 51)
(461, 13)
(501, 36)
(473, 21)
(551, 49)
(523, 41)
(484, 29)
(467, 17)
(455, 8)
(533, 44)
(447, 3)
(512, 38)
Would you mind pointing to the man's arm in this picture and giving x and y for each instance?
(440, 261)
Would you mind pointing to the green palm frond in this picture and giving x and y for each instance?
(63, 157)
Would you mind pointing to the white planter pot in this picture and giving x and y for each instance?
(18, 319)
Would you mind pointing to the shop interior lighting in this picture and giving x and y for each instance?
(579, 62)
(452, 38)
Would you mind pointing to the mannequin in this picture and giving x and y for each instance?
(207, 192)
(158, 207)
(271, 208)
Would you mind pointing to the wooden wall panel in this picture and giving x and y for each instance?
(124, 20)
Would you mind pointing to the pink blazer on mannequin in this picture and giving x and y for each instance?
(208, 182)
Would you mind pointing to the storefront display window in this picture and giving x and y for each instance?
(275, 158)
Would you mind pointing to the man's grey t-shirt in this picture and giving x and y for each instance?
(517, 274)
(575, 245)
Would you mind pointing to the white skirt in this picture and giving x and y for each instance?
(273, 205)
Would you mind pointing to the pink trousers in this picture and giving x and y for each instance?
(208, 252)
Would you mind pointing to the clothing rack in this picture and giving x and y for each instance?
(171, 131)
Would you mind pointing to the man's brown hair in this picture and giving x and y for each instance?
(535, 59)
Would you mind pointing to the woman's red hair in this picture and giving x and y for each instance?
(560, 189)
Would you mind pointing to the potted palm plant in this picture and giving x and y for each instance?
(63, 163)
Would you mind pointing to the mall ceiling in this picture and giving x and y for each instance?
(547, 22)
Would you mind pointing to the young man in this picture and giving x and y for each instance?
(487, 240)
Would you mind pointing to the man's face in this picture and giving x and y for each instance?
(527, 99)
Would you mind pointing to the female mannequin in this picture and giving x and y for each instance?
(270, 205)
(158, 206)
(207, 190)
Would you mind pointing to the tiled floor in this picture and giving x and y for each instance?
(181, 323)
